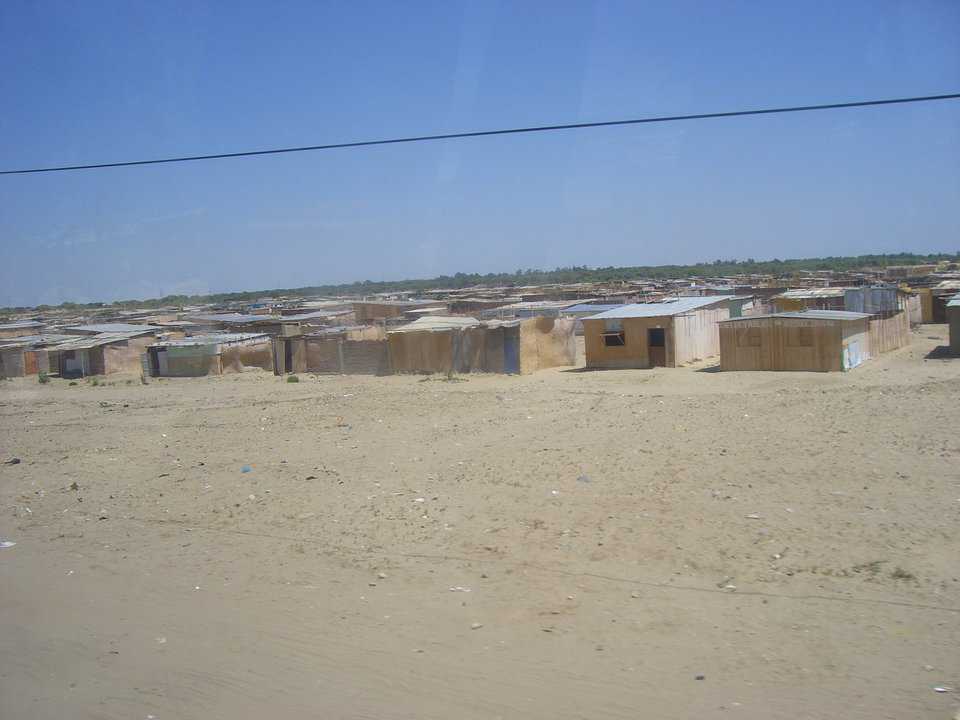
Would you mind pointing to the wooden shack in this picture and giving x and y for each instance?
(812, 340)
(215, 354)
(103, 353)
(646, 335)
(464, 345)
(346, 350)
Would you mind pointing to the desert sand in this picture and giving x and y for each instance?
(669, 543)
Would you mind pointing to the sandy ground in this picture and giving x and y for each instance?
(621, 544)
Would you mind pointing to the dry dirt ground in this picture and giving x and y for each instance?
(623, 544)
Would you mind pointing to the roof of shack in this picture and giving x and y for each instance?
(115, 328)
(811, 293)
(806, 315)
(664, 309)
(211, 339)
(433, 323)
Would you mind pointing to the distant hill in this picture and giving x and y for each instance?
(717, 268)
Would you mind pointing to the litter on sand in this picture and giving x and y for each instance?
(246, 469)
(7, 543)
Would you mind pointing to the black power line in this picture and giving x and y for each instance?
(484, 133)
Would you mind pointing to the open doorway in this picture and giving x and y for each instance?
(657, 347)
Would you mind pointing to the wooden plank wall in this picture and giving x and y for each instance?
(365, 357)
(781, 344)
(889, 333)
(696, 335)
(12, 363)
(123, 357)
(421, 352)
(323, 355)
(546, 342)
(236, 358)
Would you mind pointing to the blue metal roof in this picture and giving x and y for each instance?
(664, 309)
(587, 307)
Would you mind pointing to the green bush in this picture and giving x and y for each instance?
(72, 382)
(43, 378)
(293, 378)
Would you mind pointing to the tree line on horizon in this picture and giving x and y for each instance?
(561, 275)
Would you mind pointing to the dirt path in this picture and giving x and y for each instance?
(791, 538)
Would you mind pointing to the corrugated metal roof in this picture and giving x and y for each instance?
(316, 315)
(21, 324)
(211, 339)
(809, 293)
(433, 323)
(598, 308)
(664, 309)
(806, 315)
(33, 340)
(237, 318)
(539, 305)
(85, 342)
(115, 328)
(955, 302)
(397, 303)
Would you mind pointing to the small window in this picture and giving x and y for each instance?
(614, 339)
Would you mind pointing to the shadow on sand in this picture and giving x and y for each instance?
(941, 352)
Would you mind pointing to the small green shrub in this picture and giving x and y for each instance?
(293, 378)
(94, 382)
(43, 378)
(900, 574)
(72, 382)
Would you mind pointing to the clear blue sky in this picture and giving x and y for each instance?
(97, 81)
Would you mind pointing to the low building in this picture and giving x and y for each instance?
(463, 345)
(646, 335)
(215, 354)
(28, 354)
(101, 354)
(933, 300)
(908, 271)
(813, 340)
(350, 350)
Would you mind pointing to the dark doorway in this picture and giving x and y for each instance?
(657, 347)
(287, 356)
